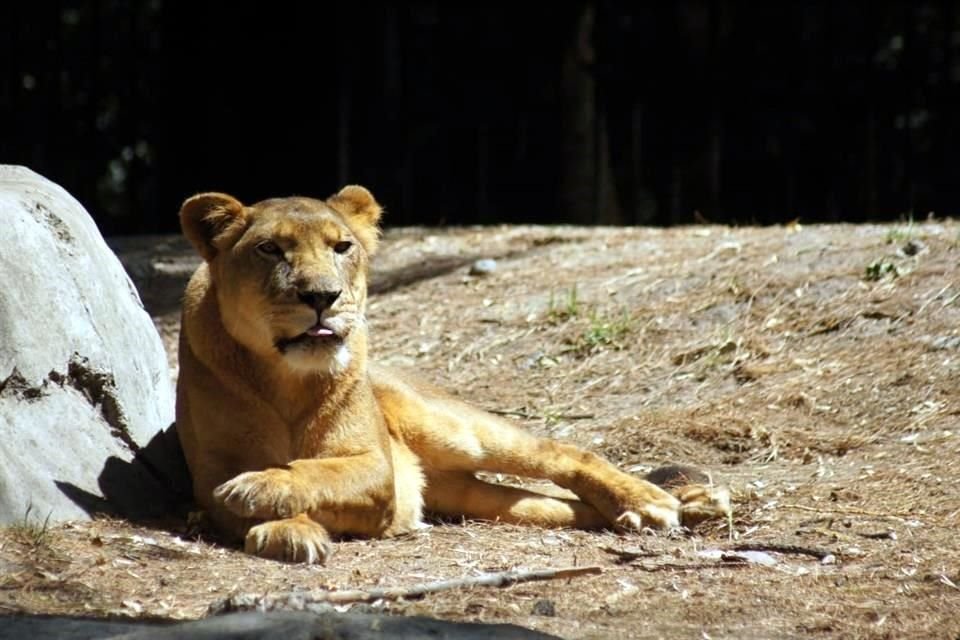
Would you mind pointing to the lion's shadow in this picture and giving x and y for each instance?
(153, 486)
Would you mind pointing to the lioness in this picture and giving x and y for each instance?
(291, 436)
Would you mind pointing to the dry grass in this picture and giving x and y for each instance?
(820, 388)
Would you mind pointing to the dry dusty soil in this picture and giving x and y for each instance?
(815, 371)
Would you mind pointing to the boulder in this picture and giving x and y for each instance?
(85, 393)
(290, 625)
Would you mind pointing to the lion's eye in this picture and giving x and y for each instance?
(343, 246)
(270, 248)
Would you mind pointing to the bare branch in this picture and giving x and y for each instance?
(298, 601)
(853, 511)
(773, 547)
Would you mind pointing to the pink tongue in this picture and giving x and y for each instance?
(318, 331)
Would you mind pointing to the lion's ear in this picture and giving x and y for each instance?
(361, 212)
(205, 217)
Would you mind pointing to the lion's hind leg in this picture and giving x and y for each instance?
(458, 438)
(460, 493)
(450, 436)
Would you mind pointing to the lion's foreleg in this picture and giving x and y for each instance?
(349, 494)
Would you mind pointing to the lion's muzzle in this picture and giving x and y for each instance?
(319, 299)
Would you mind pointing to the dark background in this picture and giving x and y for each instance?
(458, 113)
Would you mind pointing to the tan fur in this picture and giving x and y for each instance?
(293, 438)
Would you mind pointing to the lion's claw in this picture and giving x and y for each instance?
(648, 516)
(267, 495)
(297, 539)
(702, 502)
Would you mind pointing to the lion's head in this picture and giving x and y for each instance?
(290, 274)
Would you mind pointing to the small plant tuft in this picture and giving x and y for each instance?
(565, 310)
(880, 269)
(606, 331)
(31, 530)
(593, 329)
(906, 233)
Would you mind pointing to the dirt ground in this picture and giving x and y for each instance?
(815, 371)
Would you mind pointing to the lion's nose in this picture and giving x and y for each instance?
(319, 300)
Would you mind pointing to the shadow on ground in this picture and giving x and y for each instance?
(153, 486)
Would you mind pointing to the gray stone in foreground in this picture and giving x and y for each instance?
(83, 375)
(263, 626)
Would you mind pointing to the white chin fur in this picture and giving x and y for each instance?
(332, 360)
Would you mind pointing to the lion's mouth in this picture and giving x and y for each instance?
(315, 334)
(319, 331)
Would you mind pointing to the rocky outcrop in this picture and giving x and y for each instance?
(255, 626)
(84, 386)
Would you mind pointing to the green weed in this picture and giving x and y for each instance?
(31, 530)
(880, 269)
(900, 235)
(564, 310)
(593, 329)
(606, 331)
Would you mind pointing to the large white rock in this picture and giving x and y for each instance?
(84, 384)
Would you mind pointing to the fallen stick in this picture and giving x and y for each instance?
(773, 547)
(514, 414)
(293, 601)
(852, 511)
(536, 416)
(878, 535)
(693, 566)
(626, 556)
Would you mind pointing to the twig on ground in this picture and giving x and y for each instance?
(534, 416)
(629, 555)
(850, 511)
(725, 563)
(514, 414)
(828, 533)
(930, 299)
(294, 601)
(773, 547)
(947, 581)
(878, 535)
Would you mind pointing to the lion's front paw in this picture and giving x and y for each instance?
(297, 539)
(700, 499)
(649, 516)
(268, 494)
(703, 502)
(649, 506)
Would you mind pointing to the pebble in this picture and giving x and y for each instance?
(913, 247)
(544, 608)
(483, 266)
